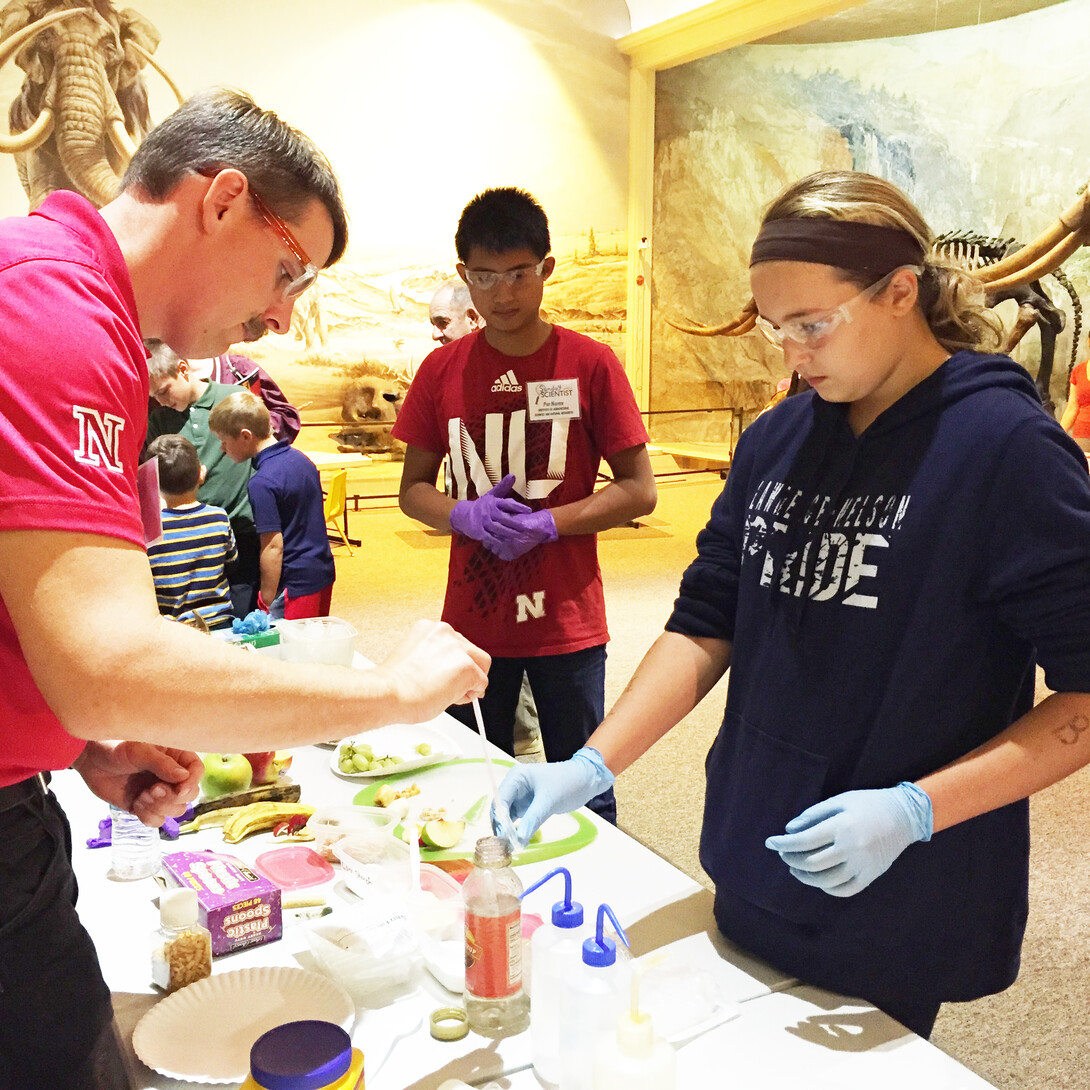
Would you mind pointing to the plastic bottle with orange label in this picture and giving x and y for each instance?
(496, 1004)
(306, 1055)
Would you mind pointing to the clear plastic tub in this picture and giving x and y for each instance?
(317, 639)
(332, 824)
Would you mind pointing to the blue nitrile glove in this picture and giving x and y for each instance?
(842, 844)
(482, 517)
(530, 793)
(521, 534)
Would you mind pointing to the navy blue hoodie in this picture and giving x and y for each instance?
(887, 596)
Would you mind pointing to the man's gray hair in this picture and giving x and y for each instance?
(458, 293)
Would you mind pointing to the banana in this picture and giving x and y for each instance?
(209, 819)
(260, 815)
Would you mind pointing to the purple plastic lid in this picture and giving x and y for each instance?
(300, 1056)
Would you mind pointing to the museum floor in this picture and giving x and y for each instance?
(1033, 1036)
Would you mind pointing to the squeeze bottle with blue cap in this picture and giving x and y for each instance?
(554, 955)
(633, 1058)
(307, 1055)
(593, 997)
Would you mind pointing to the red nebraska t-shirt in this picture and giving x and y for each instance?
(73, 411)
(549, 418)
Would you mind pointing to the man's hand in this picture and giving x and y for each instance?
(842, 844)
(482, 518)
(149, 781)
(522, 533)
(433, 667)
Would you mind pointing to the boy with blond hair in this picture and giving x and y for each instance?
(297, 570)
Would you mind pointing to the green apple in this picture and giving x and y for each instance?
(224, 774)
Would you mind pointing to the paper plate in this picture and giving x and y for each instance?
(204, 1032)
(397, 740)
(461, 787)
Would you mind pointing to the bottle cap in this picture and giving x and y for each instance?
(300, 1056)
(599, 952)
(449, 1023)
(178, 907)
(566, 913)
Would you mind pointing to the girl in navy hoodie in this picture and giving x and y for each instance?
(893, 552)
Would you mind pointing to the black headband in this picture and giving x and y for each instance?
(861, 247)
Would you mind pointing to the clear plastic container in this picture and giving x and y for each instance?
(182, 949)
(332, 824)
(134, 847)
(317, 639)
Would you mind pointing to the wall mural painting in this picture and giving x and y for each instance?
(980, 126)
(358, 336)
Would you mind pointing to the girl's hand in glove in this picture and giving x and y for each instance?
(842, 844)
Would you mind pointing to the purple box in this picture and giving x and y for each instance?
(239, 906)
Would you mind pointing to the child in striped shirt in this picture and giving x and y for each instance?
(190, 564)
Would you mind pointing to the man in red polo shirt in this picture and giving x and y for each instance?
(222, 219)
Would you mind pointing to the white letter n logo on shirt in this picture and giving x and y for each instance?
(99, 438)
(530, 607)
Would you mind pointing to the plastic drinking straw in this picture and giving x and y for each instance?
(484, 748)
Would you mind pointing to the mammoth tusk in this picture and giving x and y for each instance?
(42, 128)
(1070, 222)
(1049, 262)
(141, 51)
(121, 140)
(31, 138)
(741, 323)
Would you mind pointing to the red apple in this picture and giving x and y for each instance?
(268, 764)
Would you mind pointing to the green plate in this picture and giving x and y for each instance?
(461, 787)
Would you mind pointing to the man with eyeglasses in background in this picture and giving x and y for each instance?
(527, 411)
(188, 254)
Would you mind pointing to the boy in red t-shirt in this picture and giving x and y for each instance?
(526, 411)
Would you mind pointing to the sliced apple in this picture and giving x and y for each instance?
(442, 834)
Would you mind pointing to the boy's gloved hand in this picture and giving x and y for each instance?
(531, 793)
(481, 518)
(519, 536)
(842, 844)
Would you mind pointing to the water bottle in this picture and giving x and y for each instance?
(496, 1004)
(555, 953)
(134, 846)
(592, 1001)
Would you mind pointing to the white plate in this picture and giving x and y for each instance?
(204, 1032)
(397, 740)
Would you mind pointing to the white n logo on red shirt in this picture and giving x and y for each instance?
(467, 464)
(530, 607)
(99, 438)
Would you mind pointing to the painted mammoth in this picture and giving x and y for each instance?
(369, 408)
(83, 107)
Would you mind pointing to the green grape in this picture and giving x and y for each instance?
(346, 764)
(361, 762)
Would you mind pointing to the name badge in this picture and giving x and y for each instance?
(554, 399)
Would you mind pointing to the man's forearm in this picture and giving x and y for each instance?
(425, 503)
(619, 502)
(1048, 743)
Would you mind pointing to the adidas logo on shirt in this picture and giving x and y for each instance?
(507, 384)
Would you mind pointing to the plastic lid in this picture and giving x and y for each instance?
(300, 1056)
(567, 915)
(635, 1034)
(178, 907)
(599, 953)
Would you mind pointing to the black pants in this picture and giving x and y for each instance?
(55, 1010)
(570, 693)
(245, 577)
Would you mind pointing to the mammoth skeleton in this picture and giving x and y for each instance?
(1014, 276)
(82, 108)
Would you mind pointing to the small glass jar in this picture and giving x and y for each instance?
(182, 950)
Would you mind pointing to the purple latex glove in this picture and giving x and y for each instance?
(482, 517)
(521, 534)
(105, 834)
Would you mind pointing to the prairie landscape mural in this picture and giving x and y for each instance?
(418, 105)
(981, 126)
